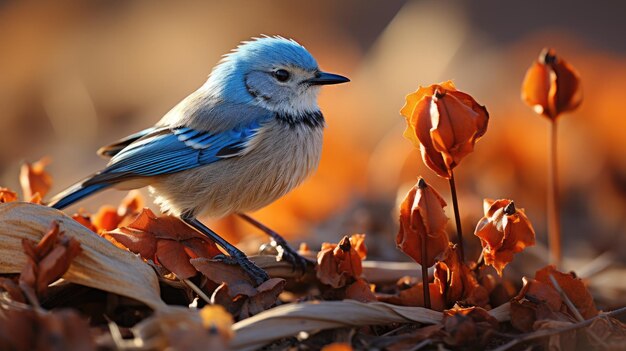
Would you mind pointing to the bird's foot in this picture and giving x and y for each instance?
(257, 274)
(284, 252)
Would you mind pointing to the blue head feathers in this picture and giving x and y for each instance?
(259, 54)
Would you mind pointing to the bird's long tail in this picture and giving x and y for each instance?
(75, 193)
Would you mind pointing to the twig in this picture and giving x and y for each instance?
(198, 291)
(455, 204)
(548, 332)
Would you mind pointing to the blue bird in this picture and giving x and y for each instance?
(245, 138)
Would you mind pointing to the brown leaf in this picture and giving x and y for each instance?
(35, 180)
(339, 264)
(422, 216)
(55, 330)
(7, 195)
(572, 286)
(458, 283)
(266, 297)
(551, 85)
(14, 291)
(503, 232)
(108, 217)
(414, 296)
(48, 260)
(468, 326)
(167, 241)
(237, 292)
(360, 290)
(445, 123)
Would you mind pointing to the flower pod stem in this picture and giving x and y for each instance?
(455, 204)
(425, 285)
(554, 224)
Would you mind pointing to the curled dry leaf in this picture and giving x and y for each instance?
(7, 195)
(237, 292)
(551, 85)
(100, 266)
(48, 260)
(457, 282)
(468, 326)
(290, 319)
(339, 264)
(539, 300)
(35, 180)
(445, 123)
(422, 216)
(167, 241)
(573, 287)
(503, 232)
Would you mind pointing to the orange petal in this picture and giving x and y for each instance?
(536, 88)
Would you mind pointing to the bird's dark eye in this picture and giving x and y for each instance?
(281, 75)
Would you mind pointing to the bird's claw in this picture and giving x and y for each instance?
(258, 275)
(284, 252)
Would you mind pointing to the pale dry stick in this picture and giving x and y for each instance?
(543, 333)
(198, 291)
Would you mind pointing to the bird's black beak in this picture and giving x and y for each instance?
(323, 78)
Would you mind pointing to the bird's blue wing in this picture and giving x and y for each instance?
(170, 150)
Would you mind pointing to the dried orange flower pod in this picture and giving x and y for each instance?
(422, 216)
(551, 85)
(445, 124)
(503, 232)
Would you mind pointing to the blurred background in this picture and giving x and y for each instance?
(75, 75)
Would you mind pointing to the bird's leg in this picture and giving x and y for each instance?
(285, 252)
(256, 273)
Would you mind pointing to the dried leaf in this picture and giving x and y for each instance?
(422, 216)
(414, 297)
(35, 180)
(48, 260)
(290, 319)
(361, 291)
(238, 292)
(572, 286)
(7, 195)
(23, 329)
(468, 326)
(167, 241)
(100, 266)
(458, 282)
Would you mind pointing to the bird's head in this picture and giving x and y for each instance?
(276, 73)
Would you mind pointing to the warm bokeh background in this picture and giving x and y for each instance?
(75, 75)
